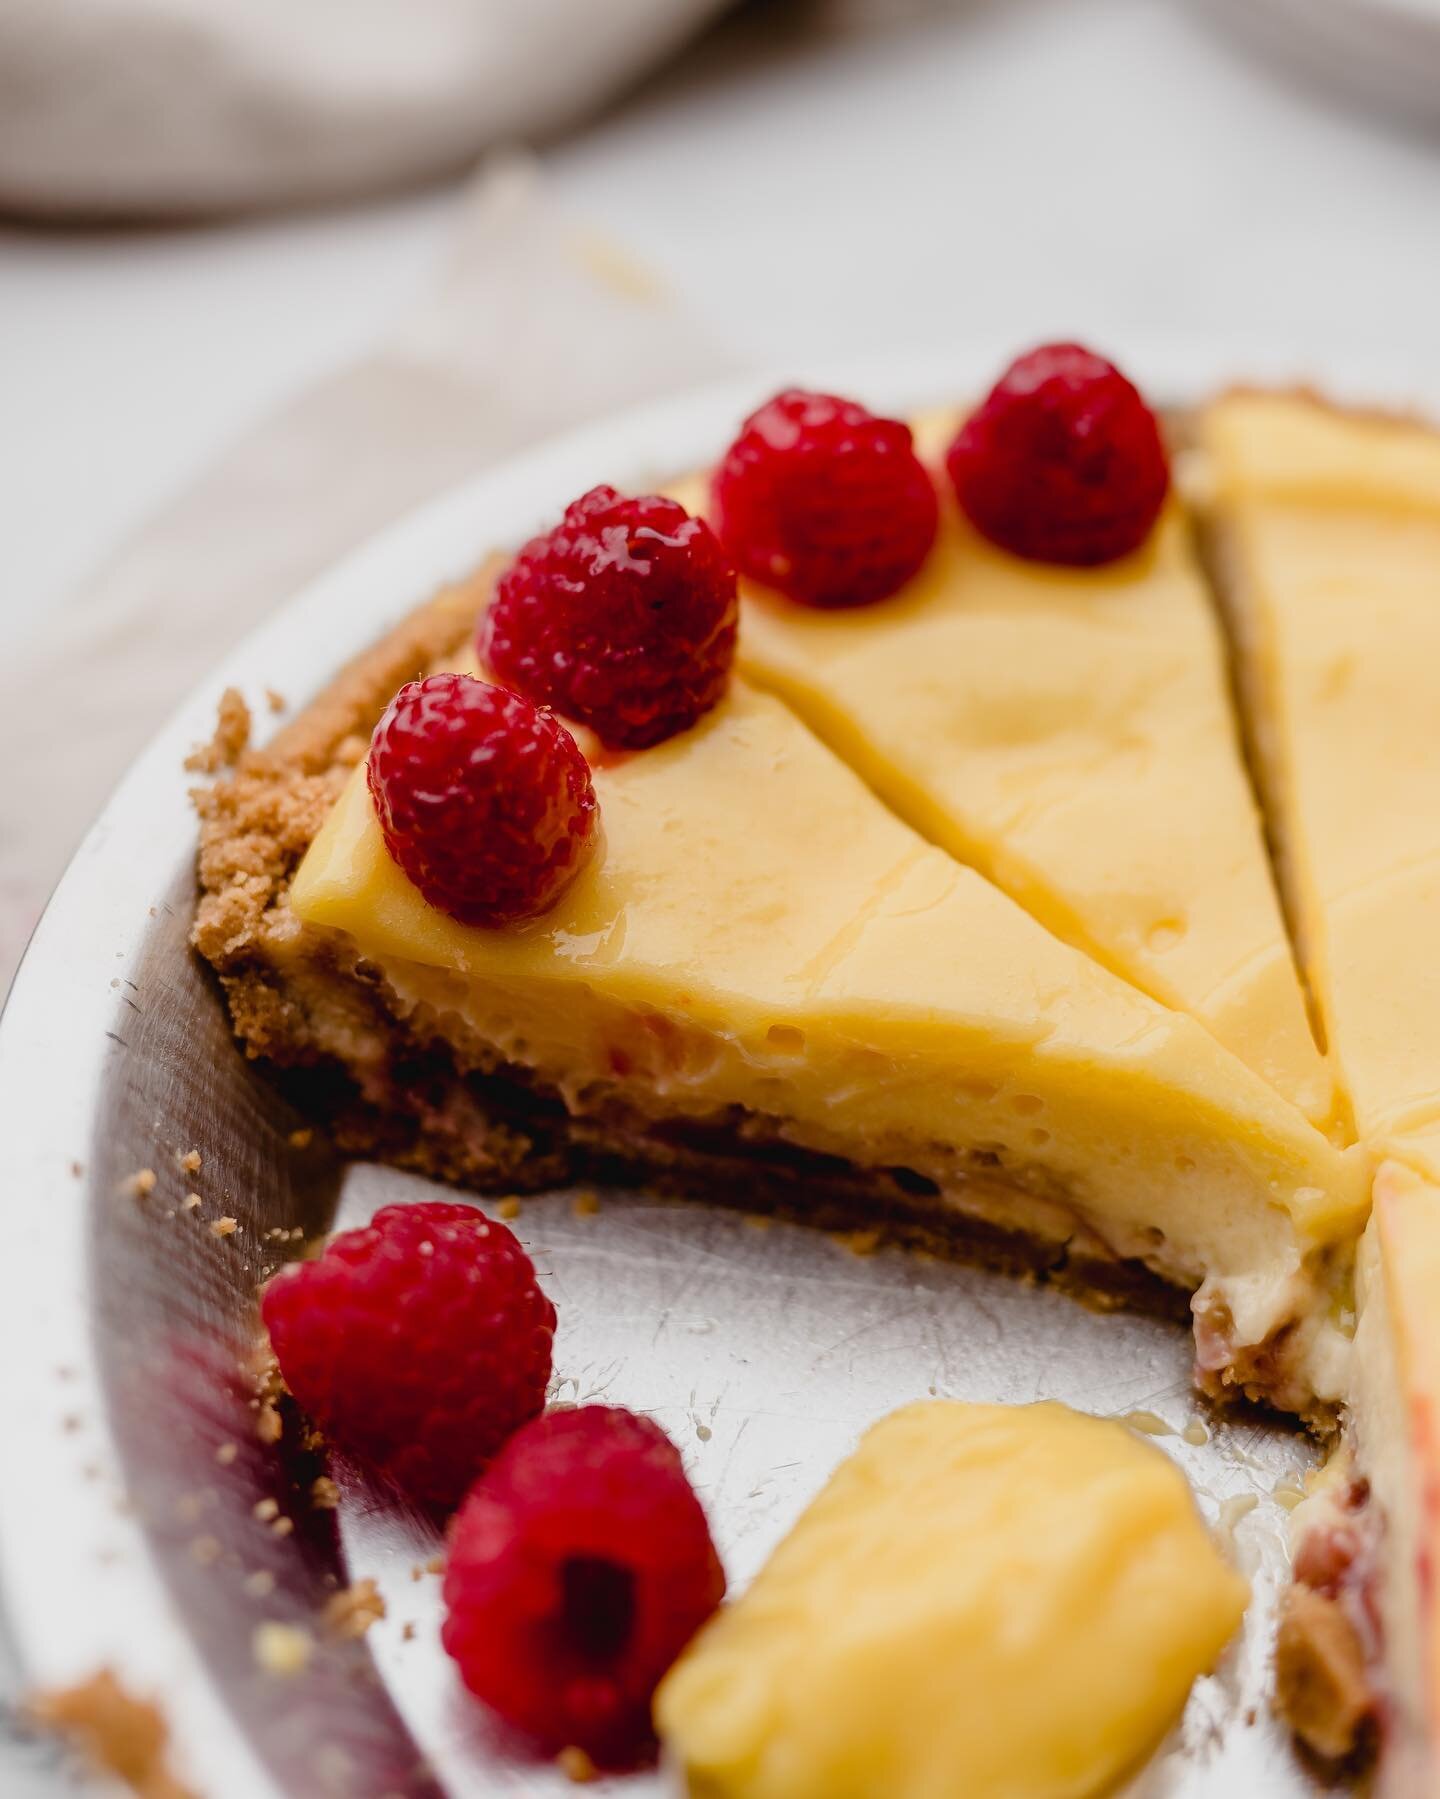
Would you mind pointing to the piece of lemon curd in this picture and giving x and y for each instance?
(1011, 1601)
(1328, 546)
(757, 931)
(1070, 733)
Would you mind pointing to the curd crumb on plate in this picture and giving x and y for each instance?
(1007, 1600)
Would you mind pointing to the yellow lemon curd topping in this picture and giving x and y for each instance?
(997, 1600)
(757, 931)
(1069, 733)
(1331, 542)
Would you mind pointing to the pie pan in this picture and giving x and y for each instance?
(132, 1468)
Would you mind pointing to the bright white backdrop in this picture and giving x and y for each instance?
(806, 185)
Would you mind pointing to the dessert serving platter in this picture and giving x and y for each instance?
(144, 1524)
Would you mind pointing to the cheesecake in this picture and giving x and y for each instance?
(901, 1017)
(1324, 532)
(1051, 728)
(941, 906)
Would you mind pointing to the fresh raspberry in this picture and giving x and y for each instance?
(822, 500)
(419, 1343)
(622, 617)
(580, 1566)
(1063, 462)
(485, 800)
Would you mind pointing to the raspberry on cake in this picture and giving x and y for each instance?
(419, 1342)
(484, 799)
(579, 1567)
(1063, 461)
(824, 502)
(622, 618)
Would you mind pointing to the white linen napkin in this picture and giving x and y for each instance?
(535, 325)
(156, 107)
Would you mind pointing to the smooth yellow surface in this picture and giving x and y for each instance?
(1007, 1601)
(1334, 528)
(758, 930)
(1069, 733)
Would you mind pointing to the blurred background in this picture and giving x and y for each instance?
(272, 273)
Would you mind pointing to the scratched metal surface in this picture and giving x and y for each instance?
(131, 1469)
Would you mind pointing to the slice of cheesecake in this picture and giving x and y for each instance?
(1326, 539)
(1070, 734)
(766, 986)
(1359, 1643)
(1325, 533)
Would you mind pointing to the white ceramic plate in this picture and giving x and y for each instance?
(127, 1532)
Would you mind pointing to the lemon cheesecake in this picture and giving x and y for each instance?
(902, 1017)
(1069, 733)
(914, 880)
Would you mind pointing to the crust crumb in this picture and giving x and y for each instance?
(117, 1733)
(508, 1208)
(576, 1765)
(586, 1205)
(1320, 1682)
(266, 1509)
(193, 1202)
(231, 739)
(349, 1613)
(260, 1584)
(141, 1184)
(275, 701)
(282, 1649)
(324, 1494)
(302, 1139)
(190, 1162)
(224, 1227)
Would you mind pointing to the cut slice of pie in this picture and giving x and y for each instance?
(766, 985)
(1070, 734)
(1359, 1642)
(1326, 538)
(1326, 535)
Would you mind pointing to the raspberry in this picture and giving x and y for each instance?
(419, 1343)
(822, 500)
(1063, 462)
(580, 1566)
(622, 617)
(485, 801)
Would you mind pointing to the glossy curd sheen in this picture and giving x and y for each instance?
(1007, 1601)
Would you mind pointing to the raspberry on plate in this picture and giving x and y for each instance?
(484, 800)
(580, 1565)
(825, 502)
(419, 1343)
(1063, 462)
(623, 618)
